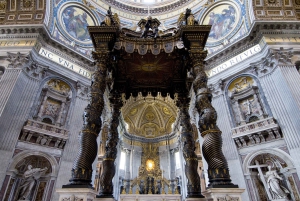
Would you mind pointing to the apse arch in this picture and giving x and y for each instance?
(24, 154)
(275, 151)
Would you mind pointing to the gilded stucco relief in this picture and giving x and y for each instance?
(22, 12)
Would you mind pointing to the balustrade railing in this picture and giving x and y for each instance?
(256, 132)
(44, 134)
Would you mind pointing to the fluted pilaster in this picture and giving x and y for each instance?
(284, 108)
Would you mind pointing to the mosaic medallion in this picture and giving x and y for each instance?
(223, 18)
(74, 21)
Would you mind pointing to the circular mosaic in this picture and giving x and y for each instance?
(74, 21)
(223, 18)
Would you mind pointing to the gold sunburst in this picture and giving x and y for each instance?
(150, 165)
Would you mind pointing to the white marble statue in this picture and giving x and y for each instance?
(30, 177)
(277, 191)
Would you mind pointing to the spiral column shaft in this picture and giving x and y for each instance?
(218, 172)
(188, 149)
(106, 185)
(82, 166)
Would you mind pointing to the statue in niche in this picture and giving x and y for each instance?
(250, 107)
(268, 182)
(31, 175)
(273, 182)
(51, 109)
(248, 104)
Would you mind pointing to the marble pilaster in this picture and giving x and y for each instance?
(229, 148)
(20, 96)
(285, 109)
(72, 145)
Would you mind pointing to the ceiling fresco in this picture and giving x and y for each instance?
(22, 11)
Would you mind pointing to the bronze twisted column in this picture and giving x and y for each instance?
(82, 166)
(218, 172)
(106, 185)
(188, 149)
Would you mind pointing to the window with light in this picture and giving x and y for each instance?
(177, 160)
(149, 1)
(122, 160)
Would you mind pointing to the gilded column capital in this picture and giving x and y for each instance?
(197, 56)
(101, 56)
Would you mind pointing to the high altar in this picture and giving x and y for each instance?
(161, 66)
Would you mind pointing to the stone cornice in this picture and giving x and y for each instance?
(135, 9)
(149, 140)
(44, 39)
(256, 33)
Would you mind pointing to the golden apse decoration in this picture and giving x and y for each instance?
(150, 179)
(150, 165)
(148, 117)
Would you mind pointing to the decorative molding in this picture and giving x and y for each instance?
(44, 39)
(44, 134)
(257, 132)
(254, 37)
(16, 60)
(144, 10)
(82, 90)
(274, 58)
(278, 10)
(217, 88)
(228, 198)
(22, 12)
(36, 70)
(72, 198)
